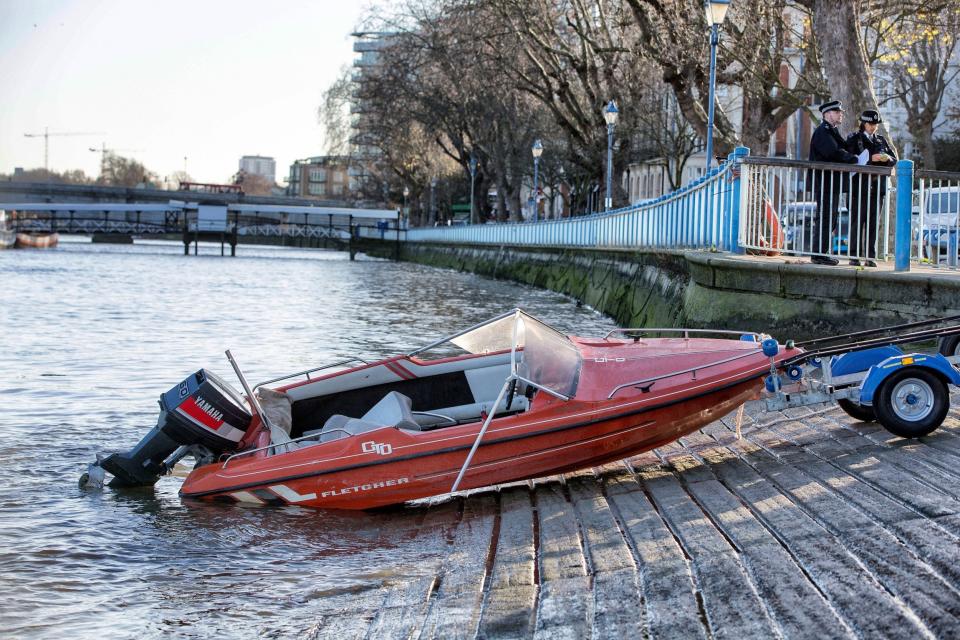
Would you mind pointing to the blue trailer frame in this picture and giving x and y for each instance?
(870, 377)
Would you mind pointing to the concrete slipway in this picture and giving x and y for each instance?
(810, 526)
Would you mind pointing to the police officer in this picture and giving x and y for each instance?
(827, 145)
(868, 191)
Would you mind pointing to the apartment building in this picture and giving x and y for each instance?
(320, 177)
(263, 166)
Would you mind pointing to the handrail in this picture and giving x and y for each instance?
(685, 331)
(280, 444)
(677, 373)
(936, 175)
(874, 342)
(896, 327)
(809, 164)
(309, 371)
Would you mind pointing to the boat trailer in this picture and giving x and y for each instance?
(872, 378)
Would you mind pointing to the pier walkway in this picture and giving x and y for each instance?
(810, 526)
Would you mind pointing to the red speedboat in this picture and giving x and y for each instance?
(506, 400)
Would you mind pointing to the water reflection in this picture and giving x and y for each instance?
(92, 334)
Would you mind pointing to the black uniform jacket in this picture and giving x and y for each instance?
(827, 145)
(859, 141)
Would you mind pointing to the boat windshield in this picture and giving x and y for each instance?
(540, 354)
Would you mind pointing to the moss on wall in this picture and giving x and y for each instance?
(706, 290)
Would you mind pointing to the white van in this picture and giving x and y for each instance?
(940, 222)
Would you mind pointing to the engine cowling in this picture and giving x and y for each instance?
(201, 410)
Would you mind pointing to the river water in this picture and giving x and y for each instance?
(91, 335)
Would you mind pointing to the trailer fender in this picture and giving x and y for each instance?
(879, 372)
(857, 361)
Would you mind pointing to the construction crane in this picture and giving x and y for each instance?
(46, 135)
(103, 151)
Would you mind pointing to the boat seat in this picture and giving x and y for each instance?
(393, 410)
(469, 412)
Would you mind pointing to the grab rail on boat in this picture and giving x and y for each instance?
(314, 436)
(309, 371)
(686, 332)
(693, 370)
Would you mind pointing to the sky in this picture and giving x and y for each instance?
(205, 80)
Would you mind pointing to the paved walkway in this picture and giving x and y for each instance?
(810, 526)
(916, 269)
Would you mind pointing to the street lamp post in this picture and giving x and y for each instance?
(563, 191)
(473, 180)
(610, 114)
(537, 151)
(406, 193)
(716, 12)
(433, 200)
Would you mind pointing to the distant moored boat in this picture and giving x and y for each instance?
(37, 240)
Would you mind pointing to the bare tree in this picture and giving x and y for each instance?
(760, 39)
(665, 137)
(574, 58)
(440, 78)
(253, 184)
(914, 47)
(334, 114)
(70, 176)
(840, 50)
(124, 172)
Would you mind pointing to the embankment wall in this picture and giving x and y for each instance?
(704, 290)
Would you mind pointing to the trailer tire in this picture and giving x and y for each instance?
(912, 402)
(857, 411)
(949, 345)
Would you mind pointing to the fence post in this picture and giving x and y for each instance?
(901, 246)
(733, 228)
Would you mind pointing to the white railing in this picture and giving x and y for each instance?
(695, 216)
(936, 209)
(815, 209)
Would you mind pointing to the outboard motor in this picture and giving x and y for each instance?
(202, 415)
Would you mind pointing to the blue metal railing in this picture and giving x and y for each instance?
(701, 215)
(757, 204)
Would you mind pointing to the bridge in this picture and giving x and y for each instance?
(45, 192)
(192, 221)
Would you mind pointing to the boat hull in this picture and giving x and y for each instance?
(37, 240)
(390, 466)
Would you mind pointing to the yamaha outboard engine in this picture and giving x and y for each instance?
(202, 415)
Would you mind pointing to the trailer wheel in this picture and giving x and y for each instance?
(857, 411)
(949, 345)
(912, 402)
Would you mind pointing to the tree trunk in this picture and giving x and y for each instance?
(516, 208)
(923, 141)
(836, 26)
(503, 214)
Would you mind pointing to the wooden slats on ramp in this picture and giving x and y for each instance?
(812, 525)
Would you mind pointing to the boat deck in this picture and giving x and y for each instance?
(810, 526)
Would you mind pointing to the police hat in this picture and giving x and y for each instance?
(833, 105)
(871, 116)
